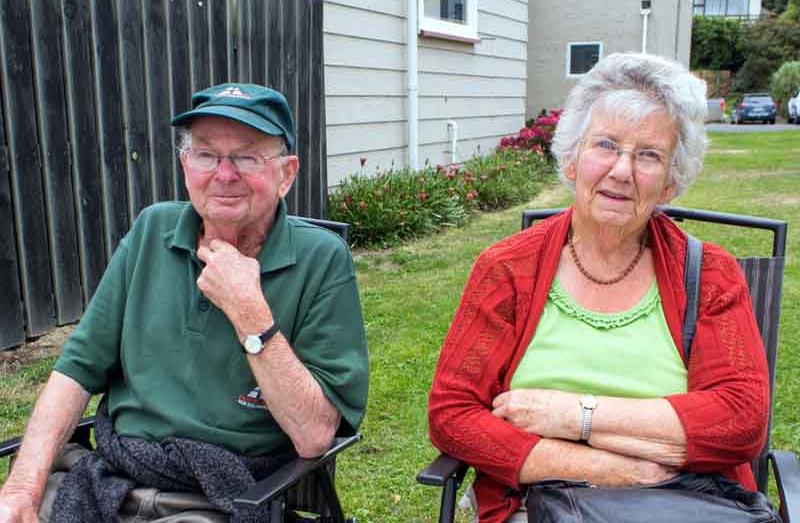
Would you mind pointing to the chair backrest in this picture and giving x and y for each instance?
(340, 228)
(764, 277)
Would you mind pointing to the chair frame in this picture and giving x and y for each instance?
(448, 472)
(277, 488)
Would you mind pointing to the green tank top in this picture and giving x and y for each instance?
(628, 354)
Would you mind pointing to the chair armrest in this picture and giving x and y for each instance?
(10, 446)
(786, 469)
(289, 475)
(81, 435)
(441, 469)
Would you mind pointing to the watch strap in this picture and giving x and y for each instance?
(269, 333)
(586, 416)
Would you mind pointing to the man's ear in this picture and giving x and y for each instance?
(289, 168)
(570, 171)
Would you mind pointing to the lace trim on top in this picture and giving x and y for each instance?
(599, 320)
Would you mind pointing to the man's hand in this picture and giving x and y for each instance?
(232, 282)
(548, 413)
(17, 508)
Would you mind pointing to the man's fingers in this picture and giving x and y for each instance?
(220, 245)
(203, 253)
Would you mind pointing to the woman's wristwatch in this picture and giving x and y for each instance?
(588, 405)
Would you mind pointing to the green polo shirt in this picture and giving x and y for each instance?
(170, 360)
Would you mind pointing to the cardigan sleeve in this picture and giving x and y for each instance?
(476, 354)
(725, 411)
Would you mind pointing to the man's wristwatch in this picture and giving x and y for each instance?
(255, 343)
(588, 406)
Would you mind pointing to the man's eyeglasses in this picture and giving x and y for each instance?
(207, 161)
(606, 151)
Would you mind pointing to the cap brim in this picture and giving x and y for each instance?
(234, 113)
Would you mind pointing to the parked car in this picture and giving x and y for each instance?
(755, 107)
(793, 108)
(716, 110)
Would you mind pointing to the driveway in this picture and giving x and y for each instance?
(750, 127)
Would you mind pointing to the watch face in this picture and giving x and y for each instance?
(252, 344)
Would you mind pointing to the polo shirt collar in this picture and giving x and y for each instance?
(276, 253)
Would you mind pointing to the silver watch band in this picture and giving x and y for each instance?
(588, 405)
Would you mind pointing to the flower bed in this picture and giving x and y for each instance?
(399, 204)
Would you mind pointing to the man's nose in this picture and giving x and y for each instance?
(226, 170)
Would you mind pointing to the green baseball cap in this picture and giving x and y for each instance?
(259, 107)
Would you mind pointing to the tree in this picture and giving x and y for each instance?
(785, 83)
(776, 6)
(767, 44)
(716, 44)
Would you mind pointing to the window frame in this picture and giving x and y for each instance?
(438, 28)
(569, 56)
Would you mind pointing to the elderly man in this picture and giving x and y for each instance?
(227, 336)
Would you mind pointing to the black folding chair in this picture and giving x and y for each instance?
(764, 277)
(303, 490)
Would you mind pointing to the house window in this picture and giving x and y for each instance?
(722, 7)
(581, 56)
(450, 19)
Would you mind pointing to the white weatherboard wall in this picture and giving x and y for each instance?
(479, 86)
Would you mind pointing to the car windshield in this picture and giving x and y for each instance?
(756, 100)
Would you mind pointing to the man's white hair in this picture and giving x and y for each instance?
(634, 85)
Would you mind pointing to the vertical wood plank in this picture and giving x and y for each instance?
(85, 149)
(289, 75)
(59, 202)
(258, 42)
(134, 107)
(26, 167)
(198, 44)
(157, 81)
(318, 183)
(180, 76)
(302, 27)
(242, 50)
(275, 43)
(111, 127)
(219, 42)
(12, 320)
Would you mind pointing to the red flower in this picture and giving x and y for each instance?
(363, 204)
(423, 196)
(471, 195)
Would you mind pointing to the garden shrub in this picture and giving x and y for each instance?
(785, 83)
(397, 205)
(537, 135)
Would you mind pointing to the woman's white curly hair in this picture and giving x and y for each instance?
(636, 85)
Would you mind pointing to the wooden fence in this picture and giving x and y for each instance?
(88, 89)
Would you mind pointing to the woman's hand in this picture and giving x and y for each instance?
(548, 413)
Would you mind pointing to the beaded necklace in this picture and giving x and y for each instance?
(599, 281)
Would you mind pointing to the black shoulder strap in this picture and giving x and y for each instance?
(694, 259)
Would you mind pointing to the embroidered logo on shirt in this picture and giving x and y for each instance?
(234, 92)
(253, 400)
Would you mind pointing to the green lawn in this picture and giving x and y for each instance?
(409, 295)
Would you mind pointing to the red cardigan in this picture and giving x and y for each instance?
(724, 413)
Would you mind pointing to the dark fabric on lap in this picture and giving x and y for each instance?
(95, 488)
(688, 498)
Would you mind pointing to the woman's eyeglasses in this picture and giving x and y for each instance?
(646, 161)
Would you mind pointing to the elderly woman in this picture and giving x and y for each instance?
(565, 358)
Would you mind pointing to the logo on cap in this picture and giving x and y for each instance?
(233, 92)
